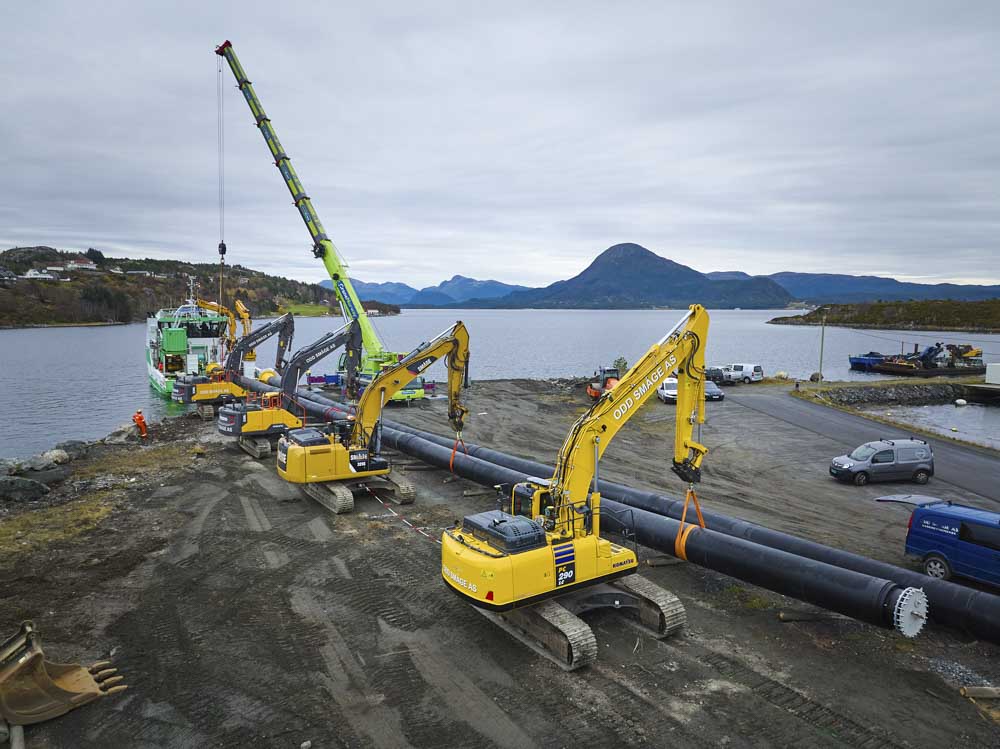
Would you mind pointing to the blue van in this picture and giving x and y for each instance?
(951, 539)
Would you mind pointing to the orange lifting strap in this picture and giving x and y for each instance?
(454, 449)
(684, 529)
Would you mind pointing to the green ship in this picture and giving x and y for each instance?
(182, 341)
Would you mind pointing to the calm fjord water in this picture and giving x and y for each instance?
(81, 383)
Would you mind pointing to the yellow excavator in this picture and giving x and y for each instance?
(218, 385)
(346, 456)
(258, 425)
(538, 562)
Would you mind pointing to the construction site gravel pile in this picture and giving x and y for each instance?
(243, 614)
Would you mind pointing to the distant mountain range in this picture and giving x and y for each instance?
(455, 289)
(834, 287)
(628, 276)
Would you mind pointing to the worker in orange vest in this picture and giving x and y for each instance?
(140, 422)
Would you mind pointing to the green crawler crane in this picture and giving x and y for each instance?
(375, 355)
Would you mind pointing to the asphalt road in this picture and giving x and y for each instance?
(967, 468)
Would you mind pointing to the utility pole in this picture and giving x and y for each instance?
(822, 337)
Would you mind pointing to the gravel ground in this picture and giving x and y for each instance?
(242, 614)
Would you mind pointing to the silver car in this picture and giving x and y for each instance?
(886, 460)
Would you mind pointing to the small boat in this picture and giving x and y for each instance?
(908, 370)
(866, 362)
(182, 341)
(937, 360)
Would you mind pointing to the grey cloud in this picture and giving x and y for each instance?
(514, 142)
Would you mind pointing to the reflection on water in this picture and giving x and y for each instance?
(81, 383)
(972, 423)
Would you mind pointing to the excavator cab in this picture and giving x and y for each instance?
(530, 499)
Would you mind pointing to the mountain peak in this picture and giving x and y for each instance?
(626, 251)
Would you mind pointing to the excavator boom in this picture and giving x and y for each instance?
(349, 336)
(453, 345)
(283, 327)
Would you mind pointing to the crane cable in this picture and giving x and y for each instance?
(221, 137)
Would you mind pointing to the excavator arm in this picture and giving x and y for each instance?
(453, 345)
(219, 309)
(244, 312)
(348, 336)
(681, 349)
(283, 327)
(323, 247)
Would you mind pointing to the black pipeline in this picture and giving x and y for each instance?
(953, 605)
(863, 597)
(973, 611)
(860, 596)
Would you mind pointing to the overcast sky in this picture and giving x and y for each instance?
(513, 143)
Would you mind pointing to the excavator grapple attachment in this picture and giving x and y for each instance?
(33, 689)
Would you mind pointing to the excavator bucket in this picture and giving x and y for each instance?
(33, 689)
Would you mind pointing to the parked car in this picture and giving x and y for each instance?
(886, 460)
(667, 391)
(949, 539)
(743, 373)
(715, 374)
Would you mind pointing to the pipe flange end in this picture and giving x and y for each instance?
(910, 613)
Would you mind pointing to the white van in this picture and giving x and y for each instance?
(743, 373)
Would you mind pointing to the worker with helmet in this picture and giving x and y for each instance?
(140, 422)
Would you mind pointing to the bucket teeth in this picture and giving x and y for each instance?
(34, 689)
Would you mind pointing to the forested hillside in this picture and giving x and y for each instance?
(123, 290)
(937, 314)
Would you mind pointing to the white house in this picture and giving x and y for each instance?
(37, 275)
(81, 264)
(54, 269)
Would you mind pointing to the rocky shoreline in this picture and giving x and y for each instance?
(904, 394)
(30, 479)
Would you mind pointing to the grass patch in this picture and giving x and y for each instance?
(743, 597)
(33, 530)
(135, 461)
(305, 310)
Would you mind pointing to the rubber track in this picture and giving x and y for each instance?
(674, 614)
